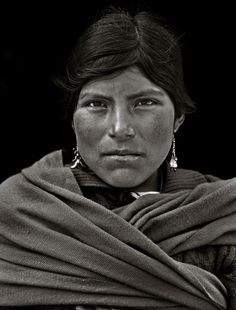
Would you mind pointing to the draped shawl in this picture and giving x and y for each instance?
(58, 247)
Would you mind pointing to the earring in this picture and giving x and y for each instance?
(173, 160)
(78, 160)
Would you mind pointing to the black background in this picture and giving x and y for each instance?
(36, 39)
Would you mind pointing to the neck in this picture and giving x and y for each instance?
(153, 183)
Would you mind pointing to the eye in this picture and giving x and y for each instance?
(145, 103)
(96, 105)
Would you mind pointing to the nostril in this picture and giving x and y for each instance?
(130, 131)
(122, 132)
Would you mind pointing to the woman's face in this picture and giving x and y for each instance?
(124, 127)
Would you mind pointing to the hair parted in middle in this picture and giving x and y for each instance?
(119, 40)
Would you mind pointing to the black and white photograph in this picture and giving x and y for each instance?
(117, 178)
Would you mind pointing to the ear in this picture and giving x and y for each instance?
(178, 122)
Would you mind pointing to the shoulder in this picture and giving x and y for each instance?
(182, 179)
(47, 176)
(43, 165)
(11, 185)
(43, 307)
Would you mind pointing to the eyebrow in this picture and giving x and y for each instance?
(147, 92)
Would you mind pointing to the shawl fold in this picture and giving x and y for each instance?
(58, 247)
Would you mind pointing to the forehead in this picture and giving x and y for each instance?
(128, 81)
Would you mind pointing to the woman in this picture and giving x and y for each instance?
(118, 225)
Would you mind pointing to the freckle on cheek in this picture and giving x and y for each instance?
(85, 133)
(160, 132)
(82, 125)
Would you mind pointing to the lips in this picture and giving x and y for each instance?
(123, 152)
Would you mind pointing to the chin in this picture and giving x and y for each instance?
(123, 185)
(123, 180)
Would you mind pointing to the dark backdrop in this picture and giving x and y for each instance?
(36, 40)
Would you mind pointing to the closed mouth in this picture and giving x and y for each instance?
(122, 153)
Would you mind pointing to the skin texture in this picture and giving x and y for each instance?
(124, 127)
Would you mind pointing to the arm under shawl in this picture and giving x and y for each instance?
(57, 247)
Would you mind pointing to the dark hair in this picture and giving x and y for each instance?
(118, 40)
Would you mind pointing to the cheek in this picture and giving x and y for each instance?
(85, 130)
(160, 128)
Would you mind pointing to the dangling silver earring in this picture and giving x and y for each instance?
(78, 160)
(173, 160)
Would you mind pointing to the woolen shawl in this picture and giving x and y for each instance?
(58, 247)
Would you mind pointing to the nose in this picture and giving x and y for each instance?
(121, 125)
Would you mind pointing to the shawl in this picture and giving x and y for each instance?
(58, 247)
